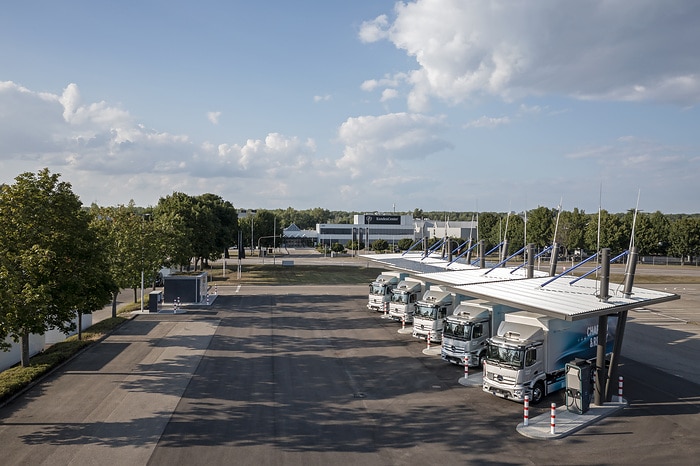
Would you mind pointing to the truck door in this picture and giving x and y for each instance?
(478, 336)
(532, 365)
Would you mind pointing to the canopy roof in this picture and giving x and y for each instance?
(563, 298)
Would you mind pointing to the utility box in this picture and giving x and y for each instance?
(189, 288)
(154, 300)
(579, 386)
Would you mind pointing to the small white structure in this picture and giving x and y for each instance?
(37, 343)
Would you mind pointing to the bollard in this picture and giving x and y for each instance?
(466, 366)
(207, 302)
(216, 289)
(386, 309)
(526, 411)
(619, 387)
(553, 417)
(403, 322)
(428, 339)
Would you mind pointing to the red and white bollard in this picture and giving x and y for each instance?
(553, 417)
(619, 387)
(386, 309)
(428, 340)
(466, 367)
(526, 411)
(403, 322)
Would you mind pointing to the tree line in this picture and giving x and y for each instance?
(654, 233)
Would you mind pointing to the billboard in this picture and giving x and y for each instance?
(382, 220)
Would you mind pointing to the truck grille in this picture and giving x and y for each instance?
(500, 378)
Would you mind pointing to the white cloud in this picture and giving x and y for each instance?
(94, 142)
(322, 98)
(488, 122)
(374, 30)
(595, 50)
(213, 117)
(389, 94)
(376, 143)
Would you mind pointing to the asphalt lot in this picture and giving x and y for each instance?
(307, 375)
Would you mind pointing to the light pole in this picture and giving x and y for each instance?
(143, 218)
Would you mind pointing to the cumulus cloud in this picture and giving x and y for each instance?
(213, 117)
(95, 141)
(375, 143)
(322, 98)
(596, 50)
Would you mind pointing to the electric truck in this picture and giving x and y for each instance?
(528, 355)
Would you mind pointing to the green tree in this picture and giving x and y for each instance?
(614, 234)
(50, 259)
(380, 245)
(684, 237)
(540, 226)
(651, 233)
(405, 243)
(135, 244)
(225, 223)
(208, 225)
(572, 228)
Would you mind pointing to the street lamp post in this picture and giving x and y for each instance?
(143, 218)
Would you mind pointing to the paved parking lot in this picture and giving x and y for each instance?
(307, 375)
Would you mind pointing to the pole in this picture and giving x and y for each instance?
(526, 411)
(142, 290)
(553, 417)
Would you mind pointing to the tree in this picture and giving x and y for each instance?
(572, 228)
(380, 245)
(540, 226)
(50, 261)
(613, 233)
(684, 237)
(135, 244)
(208, 225)
(405, 243)
(651, 233)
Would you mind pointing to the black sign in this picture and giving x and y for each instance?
(382, 219)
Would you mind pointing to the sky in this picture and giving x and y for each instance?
(358, 105)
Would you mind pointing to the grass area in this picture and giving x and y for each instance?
(16, 378)
(264, 274)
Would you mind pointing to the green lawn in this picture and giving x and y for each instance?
(264, 274)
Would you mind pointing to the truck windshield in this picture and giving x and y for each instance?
(399, 298)
(427, 311)
(457, 330)
(378, 290)
(505, 356)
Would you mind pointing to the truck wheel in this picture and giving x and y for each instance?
(537, 393)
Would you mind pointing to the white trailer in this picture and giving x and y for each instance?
(380, 290)
(404, 299)
(431, 310)
(528, 355)
(466, 331)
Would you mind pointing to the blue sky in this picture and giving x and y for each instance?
(363, 105)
